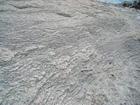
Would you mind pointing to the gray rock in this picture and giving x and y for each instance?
(68, 52)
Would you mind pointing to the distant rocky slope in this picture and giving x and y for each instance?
(135, 4)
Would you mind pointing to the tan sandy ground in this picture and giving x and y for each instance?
(68, 52)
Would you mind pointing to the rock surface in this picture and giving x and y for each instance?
(68, 52)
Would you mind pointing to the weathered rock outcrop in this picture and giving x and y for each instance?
(68, 52)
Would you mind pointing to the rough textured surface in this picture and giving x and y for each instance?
(68, 52)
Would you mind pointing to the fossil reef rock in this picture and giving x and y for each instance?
(69, 52)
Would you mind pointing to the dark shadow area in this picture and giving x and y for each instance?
(135, 4)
